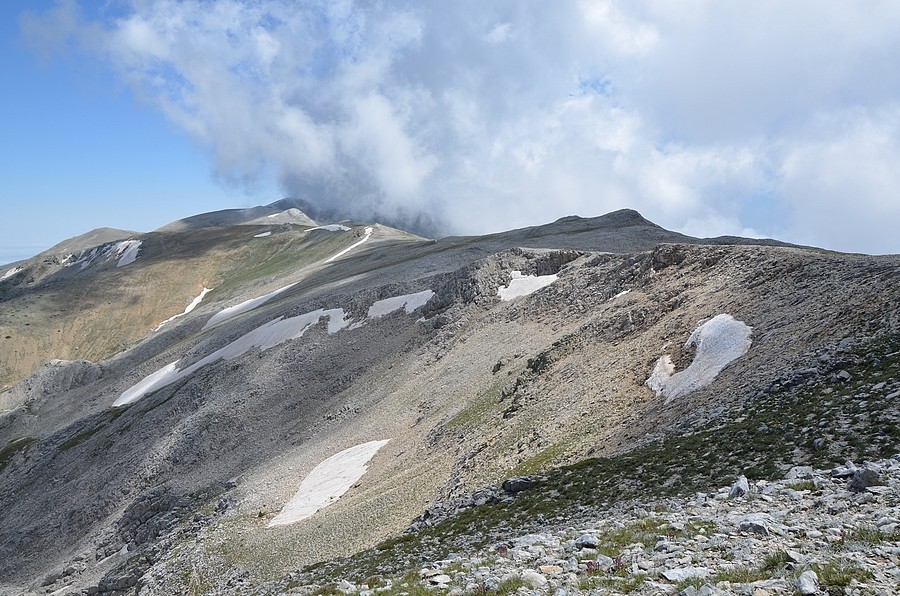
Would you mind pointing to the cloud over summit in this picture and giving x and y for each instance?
(709, 117)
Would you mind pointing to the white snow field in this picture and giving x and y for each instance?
(127, 251)
(233, 311)
(408, 302)
(366, 234)
(10, 273)
(523, 285)
(718, 342)
(264, 337)
(194, 303)
(262, 234)
(327, 482)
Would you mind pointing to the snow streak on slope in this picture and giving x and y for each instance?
(327, 482)
(233, 311)
(127, 251)
(523, 285)
(719, 341)
(262, 234)
(264, 337)
(366, 235)
(10, 273)
(194, 303)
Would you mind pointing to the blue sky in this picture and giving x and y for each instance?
(78, 152)
(771, 118)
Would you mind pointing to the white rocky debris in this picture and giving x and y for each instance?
(194, 304)
(718, 342)
(524, 285)
(327, 482)
(652, 547)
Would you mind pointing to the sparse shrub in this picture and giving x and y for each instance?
(775, 561)
(836, 575)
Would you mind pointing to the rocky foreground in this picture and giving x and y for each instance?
(814, 532)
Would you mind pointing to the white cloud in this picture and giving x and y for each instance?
(709, 117)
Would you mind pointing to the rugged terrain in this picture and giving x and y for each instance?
(166, 394)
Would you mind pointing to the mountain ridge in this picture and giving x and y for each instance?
(348, 334)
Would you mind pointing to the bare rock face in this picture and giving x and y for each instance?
(471, 389)
(53, 379)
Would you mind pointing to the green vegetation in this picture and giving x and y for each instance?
(771, 433)
(867, 536)
(836, 575)
(106, 418)
(621, 582)
(13, 447)
(803, 485)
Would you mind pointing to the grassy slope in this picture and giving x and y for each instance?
(767, 436)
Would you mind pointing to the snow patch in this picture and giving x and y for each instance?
(262, 234)
(151, 382)
(194, 303)
(620, 294)
(327, 482)
(267, 336)
(408, 302)
(718, 342)
(523, 285)
(10, 273)
(127, 251)
(233, 311)
(264, 337)
(366, 234)
(332, 228)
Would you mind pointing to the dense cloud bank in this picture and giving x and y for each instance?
(712, 118)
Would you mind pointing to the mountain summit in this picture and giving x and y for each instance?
(252, 401)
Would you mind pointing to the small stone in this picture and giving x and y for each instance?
(808, 583)
(533, 578)
(754, 527)
(864, 478)
(441, 579)
(844, 471)
(550, 569)
(586, 541)
(740, 487)
(517, 485)
(682, 573)
(794, 556)
(799, 473)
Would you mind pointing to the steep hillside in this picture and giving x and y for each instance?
(429, 369)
